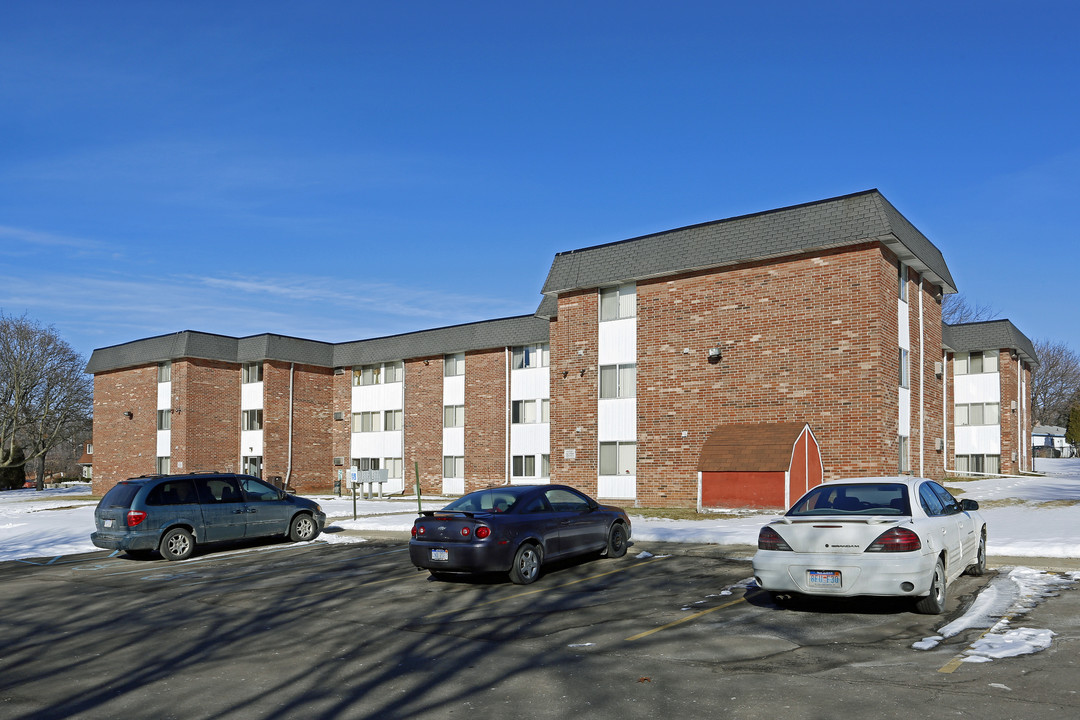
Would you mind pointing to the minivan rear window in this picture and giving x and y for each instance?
(121, 495)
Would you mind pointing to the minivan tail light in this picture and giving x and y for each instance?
(896, 540)
(769, 539)
(134, 517)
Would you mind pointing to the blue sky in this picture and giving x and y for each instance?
(343, 170)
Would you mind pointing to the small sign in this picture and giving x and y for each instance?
(569, 454)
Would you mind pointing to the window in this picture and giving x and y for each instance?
(393, 467)
(978, 414)
(905, 462)
(392, 420)
(251, 420)
(453, 416)
(901, 282)
(366, 463)
(562, 500)
(545, 466)
(251, 372)
(545, 410)
(175, 492)
(905, 368)
(454, 365)
(618, 303)
(252, 465)
(164, 372)
(524, 466)
(453, 467)
(523, 411)
(393, 372)
(164, 419)
(989, 464)
(366, 421)
(618, 381)
(617, 458)
(530, 356)
(255, 491)
(367, 375)
(930, 502)
(975, 363)
(162, 465)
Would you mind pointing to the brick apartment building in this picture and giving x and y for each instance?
(827, 314)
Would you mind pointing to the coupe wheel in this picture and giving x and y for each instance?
(177, 544)
(526, 567)
(616, 542)
(978, 568)
(934, 603)
(303, 528)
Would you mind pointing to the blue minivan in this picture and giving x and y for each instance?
(171, 513)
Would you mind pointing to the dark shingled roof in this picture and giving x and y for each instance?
(821, 225)
(505, 332)
(988, 335)
(750, 447)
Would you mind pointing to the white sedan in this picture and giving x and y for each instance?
(891, 536)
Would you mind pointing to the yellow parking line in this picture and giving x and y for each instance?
(546, 589)
(688, 618)
(955, 663)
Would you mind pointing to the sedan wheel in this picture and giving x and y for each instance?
(178, 544)
(616, 544)
(979, 567)
(934, 603)
(526, 566)
(303, 528)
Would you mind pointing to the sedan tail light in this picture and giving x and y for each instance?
(482, 532)
(896, 540)
(769, 539)
(134, 517)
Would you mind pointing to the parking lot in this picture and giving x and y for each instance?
(336, 630)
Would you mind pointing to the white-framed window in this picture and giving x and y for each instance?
(618, 458)
(524, 466)
(368, 421)
(162, 464)
(393, 372)
(978, 464)
(164, 372)
(545, 410)
(453, 416)
(975, 363)
(905, 461)
(366, 463)
(251, 372)
(393, 419)
(905, 368)
(454, 365)
(367, 375)
(523, 411)
(164, 419)
(545, 466)
(251, 420)
(901, 282)
(618, 381)
(617, 303)
(453, 466)
(978, 414)
(252, 465)
(530, 356)
(393, 467)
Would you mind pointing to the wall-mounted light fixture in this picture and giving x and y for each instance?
(715, 354)
(582, 373)
(128, 415)
(565, 373)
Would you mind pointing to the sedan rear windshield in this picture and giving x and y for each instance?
(868, 499)
(485, 501)
(121, 495)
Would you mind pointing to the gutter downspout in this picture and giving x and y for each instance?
(506, 413)
(288, 467)
(922, 381)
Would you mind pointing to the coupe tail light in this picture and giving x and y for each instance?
(465, 531)
(482, 532)
(769, 539)
(896, 540)
(418, 530)
(134, 517)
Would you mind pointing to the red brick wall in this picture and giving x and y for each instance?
(124, 448)
(1015, 430)
(422, 440)
(313, 467)
(932, 461)
(206, 417)
(341, 430)
(485, 418)
(573, 427)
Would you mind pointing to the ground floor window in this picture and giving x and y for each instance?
(989, 464)
(524, 466)
(393, 467)
(163, 464)
(905, 459)
(618, 458)
(453, 466)
(366, 463)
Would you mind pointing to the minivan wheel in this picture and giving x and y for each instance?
(303, 528)
(177, 544)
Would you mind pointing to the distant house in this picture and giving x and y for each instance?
(86, 461)
(1048, 441)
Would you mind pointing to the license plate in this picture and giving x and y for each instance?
(439, 554)
(823, 578)
(108, 523)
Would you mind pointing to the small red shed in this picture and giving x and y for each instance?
(758, 465)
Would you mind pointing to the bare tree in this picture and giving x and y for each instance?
(1055, 385)
(956, 309)
(45, 397)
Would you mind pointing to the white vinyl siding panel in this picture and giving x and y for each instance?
(164, 443)
(983, 387)
(530, 383)
(617, 419)
(905, 411)
(251, 442)
(164, 396)
(618, 342)
(251, 396)
(454, 390)
(978, 440)
(377, 444)
(453, 441)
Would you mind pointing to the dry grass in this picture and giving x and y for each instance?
(687, 514)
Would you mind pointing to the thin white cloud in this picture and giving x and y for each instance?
(18, 241)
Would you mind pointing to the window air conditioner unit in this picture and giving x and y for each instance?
(939, 444)
(339, 416)
(1014, 455)
(339, 371)
(1013, 405)
(339, 461)
(937, 369)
